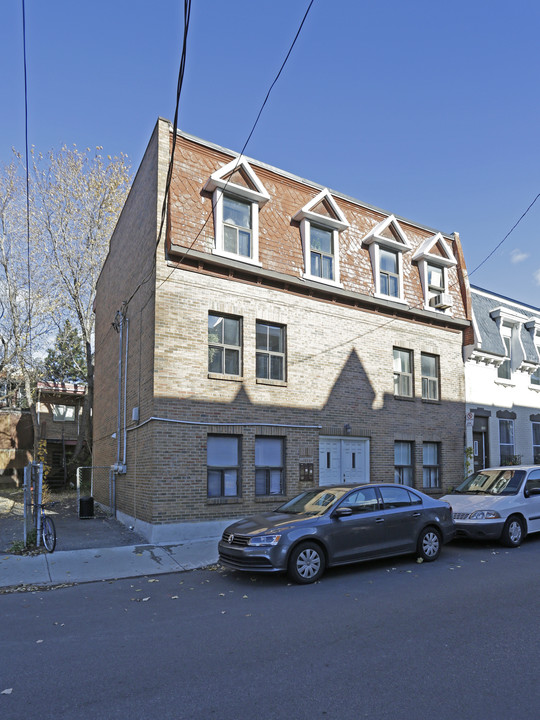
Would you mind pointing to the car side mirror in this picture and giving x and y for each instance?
(532, 491)
(343, 511)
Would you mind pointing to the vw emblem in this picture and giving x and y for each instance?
(231, 538)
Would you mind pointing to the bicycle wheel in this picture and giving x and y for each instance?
(48, 533)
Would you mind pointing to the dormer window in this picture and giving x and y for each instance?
(504, 371)
(237, 196)
(434, 258)
(236, 226)
(389, 273)
(322, 253)
(535, 377)
(321, 222)
(387, 243)
(435, 277)
(510, 324)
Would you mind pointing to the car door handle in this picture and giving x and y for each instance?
(379, 520)
(416, 514)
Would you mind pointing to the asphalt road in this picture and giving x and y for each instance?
(394, 639)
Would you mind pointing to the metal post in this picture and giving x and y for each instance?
(39, 468)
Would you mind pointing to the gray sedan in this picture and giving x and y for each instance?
(336, 525)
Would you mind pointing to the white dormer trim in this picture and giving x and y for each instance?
(424, 257)
(511, 317)
(423, 252)
(219, 184)
(375, 241)
(339, 222)
(219, 180)
(336, 224)
(375, 236)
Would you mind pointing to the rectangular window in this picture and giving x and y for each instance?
(236, 226)
(430, 377)
(322, 252)
(270, 356)
(536, 442)
(388, 272)
(435, 279)
(268, 466)
(63, 413)
(506, 441)
(403, 377)
(504, 370)
(223, 465)
(403, 466)
(224, 344)
(431, 465)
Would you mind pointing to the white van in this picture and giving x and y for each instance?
(501, 503)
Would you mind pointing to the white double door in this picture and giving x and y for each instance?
(343, 460)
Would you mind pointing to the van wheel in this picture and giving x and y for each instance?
(513, 532)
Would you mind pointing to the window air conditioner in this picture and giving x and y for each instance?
(441, 301)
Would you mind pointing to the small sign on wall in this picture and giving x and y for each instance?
(469, 419)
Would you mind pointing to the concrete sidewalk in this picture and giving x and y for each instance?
(106, 563)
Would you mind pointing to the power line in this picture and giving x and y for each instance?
(169, 176)
(180, 82)
(27, 181)
(179, 261)
(505, 237)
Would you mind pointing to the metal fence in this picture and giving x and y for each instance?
(96, 482)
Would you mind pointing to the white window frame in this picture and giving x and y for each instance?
(227, 471)
(512, 444)
(375, 240)
(63, 413)
(404, 462)
(504, 371)
(431, 472)
(269, 469)
(431, 381)
(536, 446)
(220, 185)
(282, 354)
(399, 374)
(335, 224)
(223, 347)
(425, 257)
(536, 374)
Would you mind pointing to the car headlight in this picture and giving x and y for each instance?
(264, 540)
(484, 515)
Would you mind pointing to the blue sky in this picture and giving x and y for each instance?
(428, 110)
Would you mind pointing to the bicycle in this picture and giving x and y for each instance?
(48, 530)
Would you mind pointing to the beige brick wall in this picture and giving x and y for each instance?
(339, 357)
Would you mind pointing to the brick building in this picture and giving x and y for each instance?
(275, 336)
(59, 408)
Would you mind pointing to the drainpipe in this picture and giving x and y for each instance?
(120, 325)
(125, 392)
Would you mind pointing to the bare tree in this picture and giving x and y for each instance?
(27, 304)
(77, 198)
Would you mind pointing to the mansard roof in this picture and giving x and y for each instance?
(488, 308)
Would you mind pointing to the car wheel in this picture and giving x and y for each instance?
(513, 532)
(429, 544)
(306, 563)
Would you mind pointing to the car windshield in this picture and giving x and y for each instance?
(312, 502)
(492, 482)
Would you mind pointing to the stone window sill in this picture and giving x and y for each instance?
(267, 381)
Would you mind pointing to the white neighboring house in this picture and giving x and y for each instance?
(502, 382)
